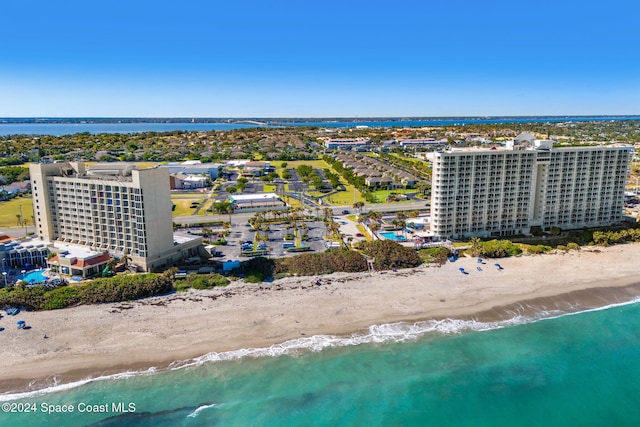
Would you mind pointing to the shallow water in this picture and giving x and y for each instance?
(580, 369)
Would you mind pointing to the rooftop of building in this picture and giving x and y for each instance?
(545, 147)
(181, 238)
(262, 196)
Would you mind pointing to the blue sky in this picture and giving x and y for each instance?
(197, 58)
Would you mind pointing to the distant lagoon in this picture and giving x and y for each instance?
(60, 127)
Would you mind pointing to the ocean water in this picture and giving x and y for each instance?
(580, 370)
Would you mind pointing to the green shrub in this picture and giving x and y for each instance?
(498, 249)
(531, 249)
(254, 277)
(181, 285)
(28, 298)
(60, 298)
(218, 280)
(388, 255)
(573, 246)
(197, 281)
(611, 237)
(437, 255)
(535, 249)
(310, 264)
(124, 288)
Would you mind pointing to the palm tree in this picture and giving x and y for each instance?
(358, 206)
(374, 215)
(335, 228)
(328, 213)
(125, 259)
(229, 210)
(403, 225)
(475, 246)
(111, 264)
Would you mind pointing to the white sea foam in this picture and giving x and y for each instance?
(376, 334)
(200, 409)
(385, 333)
(57, 387)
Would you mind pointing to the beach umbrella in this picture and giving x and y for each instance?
(461, 270)
(479, 259)
(20, 322)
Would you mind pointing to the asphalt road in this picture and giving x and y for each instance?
(337, 210)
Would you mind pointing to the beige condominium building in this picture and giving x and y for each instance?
(529, 183)
(111, 207)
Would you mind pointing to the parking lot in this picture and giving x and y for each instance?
(275, 244)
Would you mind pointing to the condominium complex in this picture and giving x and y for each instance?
(507, 191)
(109, 207)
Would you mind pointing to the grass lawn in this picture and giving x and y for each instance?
(269, 188)
(292, 164)
(344, 198)
(381, 195)
(187, 195)
(182, 208)
(294, 203)
(183, 201)
(411, 159)
(10, 208)
(340, 198)
(208, 204)
(364, 232)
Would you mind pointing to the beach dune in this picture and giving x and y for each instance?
(90, 341)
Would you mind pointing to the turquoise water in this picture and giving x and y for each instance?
(35, 276)
(581, 369)
(390, 235)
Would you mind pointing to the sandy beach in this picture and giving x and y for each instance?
(90, 341)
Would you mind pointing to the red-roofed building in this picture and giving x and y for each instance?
(83, 267)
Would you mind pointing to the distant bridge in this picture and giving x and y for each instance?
(250, 122)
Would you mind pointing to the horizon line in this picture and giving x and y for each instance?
(311, 117)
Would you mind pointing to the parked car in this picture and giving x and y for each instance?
(345, 212)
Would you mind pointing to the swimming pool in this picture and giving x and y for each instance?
(390, 235)
(35, 276)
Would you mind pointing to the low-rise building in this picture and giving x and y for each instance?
(181, 181)
(257, 202)
(195, 167)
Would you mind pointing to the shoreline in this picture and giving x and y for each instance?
(93, 341)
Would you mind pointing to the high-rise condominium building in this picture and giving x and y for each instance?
(109, 207)
(507, 191)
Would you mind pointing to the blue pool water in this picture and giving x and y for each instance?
(35, 276)
(390, 235)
